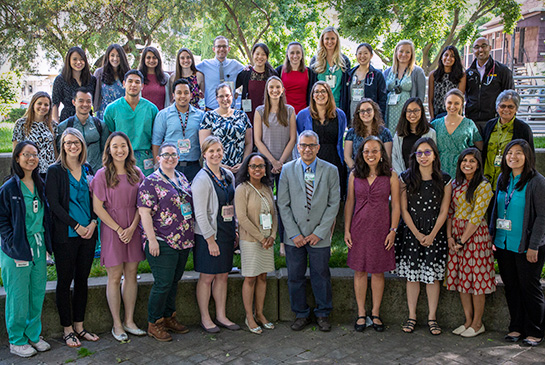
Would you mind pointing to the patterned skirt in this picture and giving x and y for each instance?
(471, 269)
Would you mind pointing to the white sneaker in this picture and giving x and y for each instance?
(22, 350)
(41, 345)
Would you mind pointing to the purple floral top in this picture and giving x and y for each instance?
(167, 210)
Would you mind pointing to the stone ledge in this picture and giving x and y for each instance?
(277, 306)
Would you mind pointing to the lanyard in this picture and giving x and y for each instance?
(332, 69)
(398, 81)
(176, 185)
(261, 196)
(183, 123)
(508, 198)
(221, 183)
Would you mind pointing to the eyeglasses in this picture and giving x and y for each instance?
(320, 92)
(370, 152)
(413, 111)
(221, 46)
(29, 155)
(365, 111)
(423, 153)
(166, 156)
(255, 167)
(304, 146)
(482, 46)
(507, 106)
(72, 143)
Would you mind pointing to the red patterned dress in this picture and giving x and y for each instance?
(471, 269)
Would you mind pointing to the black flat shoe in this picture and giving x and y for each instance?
(511, 338)
(532, 343)
(360, 327)
(377, 327)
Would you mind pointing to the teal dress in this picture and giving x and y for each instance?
(25, 285)
(451, 145)
(393, 110)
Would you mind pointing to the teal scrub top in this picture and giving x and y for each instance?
(34, 221)
(510, 240)
(337, 89)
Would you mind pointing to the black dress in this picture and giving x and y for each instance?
(414, 261)
(329, 137)
(225, 237)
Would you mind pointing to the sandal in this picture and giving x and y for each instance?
(409, 325)
(84, 332)
(434, 327)
(71, 340)
(376, 326)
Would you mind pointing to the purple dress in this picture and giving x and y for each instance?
(120, 203)
(370, 226)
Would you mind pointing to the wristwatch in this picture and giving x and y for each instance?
(393, 230)
(94, 221)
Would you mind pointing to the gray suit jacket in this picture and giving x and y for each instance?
(325, 202)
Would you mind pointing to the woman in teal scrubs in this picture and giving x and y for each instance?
(25, 233)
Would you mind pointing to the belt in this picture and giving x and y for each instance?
(188, 163)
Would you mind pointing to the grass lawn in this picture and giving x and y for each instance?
(6, 133)
(539, 142)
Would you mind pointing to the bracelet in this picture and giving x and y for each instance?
(459, 242)
(117, 229)
(76, 227)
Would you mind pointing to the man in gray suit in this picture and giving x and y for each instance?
(308, 201)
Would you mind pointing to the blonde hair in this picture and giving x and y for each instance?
(459, 94)
(62, 153)
(321, 54)
(208, 142)
(395, 65)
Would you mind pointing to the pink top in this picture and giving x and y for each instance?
(154, 92)
(296, 85)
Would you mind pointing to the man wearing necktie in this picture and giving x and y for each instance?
(218, 70)
(308, 201)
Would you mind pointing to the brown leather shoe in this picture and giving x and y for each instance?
(157, 330)
(173, 325)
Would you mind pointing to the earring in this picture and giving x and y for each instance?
(381, 159)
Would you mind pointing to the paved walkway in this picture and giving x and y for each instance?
(342, 345)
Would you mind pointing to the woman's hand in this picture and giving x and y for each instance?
(390, 240)
(348, 239)
(81, 231)
(451, 244)
(267, 243)
(90, 230)
(235, 168)
(153, 247)
(531, 256)
(427, 241)
(277, 166)
(214, 249)
(125, 235)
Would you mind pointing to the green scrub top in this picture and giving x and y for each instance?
(338, 76)
(34, 221)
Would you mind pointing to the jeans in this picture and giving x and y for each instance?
(320, 279)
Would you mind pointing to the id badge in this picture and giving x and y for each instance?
(266, 220)
(497, 161)
(393, 98)
(19, 263)
(357, 94)
(504, 224)
(148, 164)
(247, 105)
(184, 145)
(227, 213)
(331, 80)
(186, 210)
(309, 176)
(35, 206)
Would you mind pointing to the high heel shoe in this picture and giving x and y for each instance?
(257, 330)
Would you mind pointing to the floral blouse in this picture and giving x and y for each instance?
(172, 213)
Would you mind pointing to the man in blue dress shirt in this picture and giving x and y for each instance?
(219, 70)
(179, 124)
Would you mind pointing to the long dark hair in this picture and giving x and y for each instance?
(109, 168)
(193, 68)
(108, 73)
(361, 168)
(412, 176)
(243, 175)
(478, 176)
(287, 65)
(269, 70)
(282, 112)
(359, 127)
(15, 168)
(404, 126)
(66, 73)
(158, 69)
(528, 171)
(457, 71)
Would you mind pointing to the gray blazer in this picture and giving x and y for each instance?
(325, 202)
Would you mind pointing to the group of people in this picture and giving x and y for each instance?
(169, 165)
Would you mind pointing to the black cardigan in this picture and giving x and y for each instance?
(521, 130)
(57, 190)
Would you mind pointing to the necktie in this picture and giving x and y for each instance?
(309, 187)
(222, 76)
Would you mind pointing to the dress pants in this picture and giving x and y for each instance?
(320, 279)
(523, 291)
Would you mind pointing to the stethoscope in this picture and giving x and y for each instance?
(369, 79)
(490, 75)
